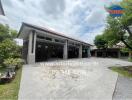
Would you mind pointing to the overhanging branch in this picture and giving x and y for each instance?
(128, 30)
(127, 45)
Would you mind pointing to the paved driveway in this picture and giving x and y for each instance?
(123, 89)
(76, 79)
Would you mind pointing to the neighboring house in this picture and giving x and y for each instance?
(114, 52)
(1, 9)
(109, 52)
(41, 44)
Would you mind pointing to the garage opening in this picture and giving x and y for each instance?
(48, 51)
(73, 52)
(84, 52)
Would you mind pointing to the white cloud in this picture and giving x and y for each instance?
(4, 20)
(95, 18)
(89, 37)
(71, 17)
(53, 7)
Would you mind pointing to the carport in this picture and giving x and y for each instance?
(42, 44)
(46, 51)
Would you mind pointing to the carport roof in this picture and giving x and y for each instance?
(35, 27)
(1, 9)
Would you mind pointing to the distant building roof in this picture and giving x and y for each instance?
(1, 9)
(119, 45)
(93, 47)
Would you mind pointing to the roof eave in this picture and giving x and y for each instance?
(35, 27)
(3, 13)
(20, 30)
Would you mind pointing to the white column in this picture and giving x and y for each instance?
(96, 53)
(89, 54)
(80, 51)
(119, 54)
(130, 54)
(31, 47)
(65, 50)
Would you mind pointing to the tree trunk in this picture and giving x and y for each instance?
(130, 54)
(128, 30)
(127, 45)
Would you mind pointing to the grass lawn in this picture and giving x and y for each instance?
(125, 71)
(130, 59)
(10, 91)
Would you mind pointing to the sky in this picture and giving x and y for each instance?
(79, 19)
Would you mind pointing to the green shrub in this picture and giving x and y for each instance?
(9, 49)
(13, 62)
(7, 33)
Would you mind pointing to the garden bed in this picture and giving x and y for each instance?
(124, 70)
(9, 91)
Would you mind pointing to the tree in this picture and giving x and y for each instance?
(111, 33)
(122, 26)
(126, 21)
(9, 49)
(13, 33)
(100, 42)
(6, 32)
(117, 28)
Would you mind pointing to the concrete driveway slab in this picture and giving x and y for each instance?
(123, 89)
(75, 79)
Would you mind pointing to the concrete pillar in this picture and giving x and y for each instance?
(130, 54)
(31, 47)
(65, 50)
(95, 53)
(25, 50)
(80, 51)
(88, 52)
(119, 54)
